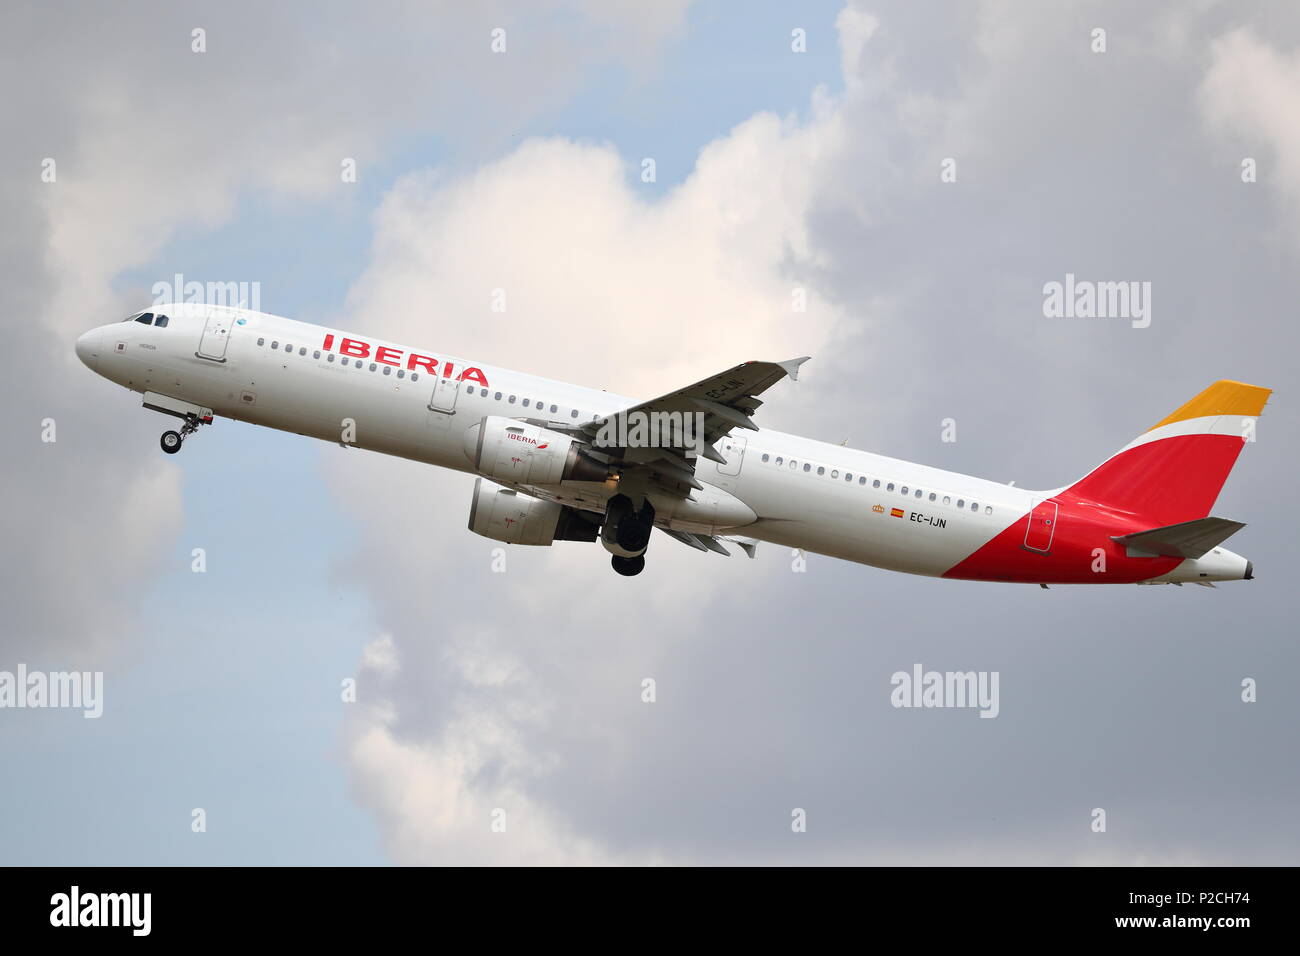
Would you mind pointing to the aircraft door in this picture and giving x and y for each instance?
(444, 395)
(733, 449)
(216, 335)
(1042, 527)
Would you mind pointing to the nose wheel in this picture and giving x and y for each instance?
(171, 441)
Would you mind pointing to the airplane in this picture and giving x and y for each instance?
(561, 462)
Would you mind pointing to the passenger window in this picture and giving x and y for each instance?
(275, 345)
(793, 463)
(302, 351)
(330, 357)
(889, 487)
(525, 403)
(401, 373)
(821, 470)
(780, 460)
(988, 509)
(316, 354)
(901, 491)
(947, 500)
(146, 318)
(918, 492)
(974, 506)
(261, 342)
(835, 474)
(415, 376)
(848, 476)
(961, 502)
(553, 409)
(765, 456)
(863, 480)
(160, 322)
(573, 414)
(388, 370)
(807, 467)
(932, 496)
(288, 347)
(373, 366)
(876, 483)
(498, 397)
(512, 399)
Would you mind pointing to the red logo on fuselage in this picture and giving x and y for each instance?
(399, 358)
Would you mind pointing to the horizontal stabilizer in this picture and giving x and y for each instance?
(1189, 539)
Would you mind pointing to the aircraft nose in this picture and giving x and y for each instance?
(88, 347)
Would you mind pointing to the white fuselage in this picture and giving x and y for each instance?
(802, 493)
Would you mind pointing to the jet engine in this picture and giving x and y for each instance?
(516, 452)
(505, 515)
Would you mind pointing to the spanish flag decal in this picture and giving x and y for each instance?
(896, 512)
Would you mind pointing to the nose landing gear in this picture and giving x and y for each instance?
(171, 441)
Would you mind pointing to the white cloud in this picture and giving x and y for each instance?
(604, 287)
(1248, 97)
(152, 140)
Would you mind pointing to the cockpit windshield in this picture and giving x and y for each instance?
(148, 318)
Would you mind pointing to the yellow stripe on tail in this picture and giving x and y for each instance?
(1222, 398)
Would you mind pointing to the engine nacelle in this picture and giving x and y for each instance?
(512, 451)
(506, 515)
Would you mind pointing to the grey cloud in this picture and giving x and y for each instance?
(773, 686)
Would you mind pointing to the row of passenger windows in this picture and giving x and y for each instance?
(344, 360)
(538, 404)
(876, 483)
(158, 321)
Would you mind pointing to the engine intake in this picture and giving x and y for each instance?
(508, 450)
(505, 515)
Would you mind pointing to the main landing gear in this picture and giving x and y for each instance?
(628, 566)
(171, 441)
(626, 534)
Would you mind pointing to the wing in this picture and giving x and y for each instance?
(680, 426)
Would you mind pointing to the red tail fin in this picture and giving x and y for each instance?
(1174, 471)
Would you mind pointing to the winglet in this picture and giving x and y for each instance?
(791, 366)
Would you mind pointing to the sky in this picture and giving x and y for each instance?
(799, 150)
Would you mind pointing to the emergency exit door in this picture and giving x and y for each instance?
(733, 449)
(443, 398)
(1042, 526)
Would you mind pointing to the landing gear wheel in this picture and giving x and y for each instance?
(628, 566)
(171, 442)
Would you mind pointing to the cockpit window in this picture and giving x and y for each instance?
(160, 322)
(133, 316)
(146, 318)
